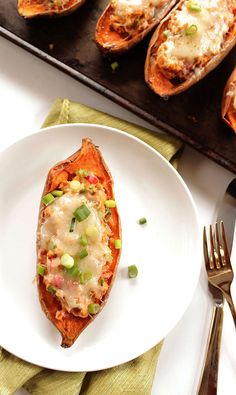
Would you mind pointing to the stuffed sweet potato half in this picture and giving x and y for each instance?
(124, 23)
(190, 42)
(228, 106)
(78, 241)
(36, 8)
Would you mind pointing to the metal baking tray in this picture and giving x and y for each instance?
(68, 44)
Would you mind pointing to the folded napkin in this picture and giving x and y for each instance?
(132, 378)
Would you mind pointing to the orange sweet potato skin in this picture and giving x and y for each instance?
(33, 9)
(89, 158)
(228, 112)
(154, 76)
(112, 43)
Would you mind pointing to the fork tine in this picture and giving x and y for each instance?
(213, 255)
(225, 247)
(220, 251)
(205, 249)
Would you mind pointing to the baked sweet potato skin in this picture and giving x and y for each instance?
(33, 9)
(89, 158)
(111, 42)
(228, 112)
(154, 76)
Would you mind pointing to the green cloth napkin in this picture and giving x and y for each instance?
(132, 378)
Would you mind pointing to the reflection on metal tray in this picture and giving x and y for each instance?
(68, 43)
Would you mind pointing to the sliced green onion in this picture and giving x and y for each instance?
(81, 213)
(192, 6)
(114, 66)
(57, 193)
(82, 173)
(41, 270)
(191, 30)
(93, 308)
(132, 271)
(75, 185)
(51, 289)
(74, 271)
(92, 232)
(83, 254)
(142, 221)
(83, 241)
(117, 244)
(166, 33)
(102, 282)
(110, 203)
(72, 225)
(85, 277)
(48, 199)
(67, 261)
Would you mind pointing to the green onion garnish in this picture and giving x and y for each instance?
(92, 233)
(191, 30)
(192, 6)
(72, 225)
(85, 277)
(93, 308)
(57, 193)
(117, 244)
(102, 282)
(51, 289)
(132, 271)
(48, 199)
(75, 185)
(142, 221)
(81, 213)
(41, 270)
(67, 261)
(74, 271)
(114, 66)
(110, 203)
(166, 33)
(83, 254)
(83, 241)
(82, 173)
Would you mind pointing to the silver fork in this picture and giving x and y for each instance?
(218, 265)
(209, 375)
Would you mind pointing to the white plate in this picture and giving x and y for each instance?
(140, 312)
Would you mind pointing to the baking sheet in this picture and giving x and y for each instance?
(68, 43)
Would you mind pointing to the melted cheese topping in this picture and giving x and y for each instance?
(56, 227)
(125, 7)
(212, 22)
(51, 3)
(55, 237)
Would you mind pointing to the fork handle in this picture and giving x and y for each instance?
(229, 299)
(209, 376)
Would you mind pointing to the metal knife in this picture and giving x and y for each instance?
(226, 212)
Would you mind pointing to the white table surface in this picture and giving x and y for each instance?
(28, 86)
